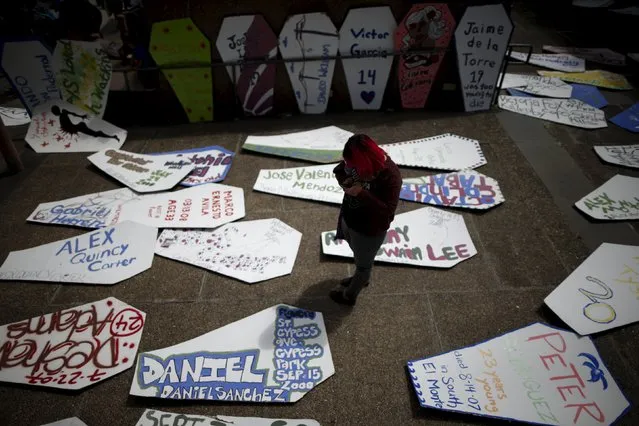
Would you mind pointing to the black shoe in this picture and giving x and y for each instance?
(347, 281)
(339, 297)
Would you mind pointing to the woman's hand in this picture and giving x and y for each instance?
(346, 183)
(354, 190)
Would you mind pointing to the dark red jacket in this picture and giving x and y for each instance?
(373, 210)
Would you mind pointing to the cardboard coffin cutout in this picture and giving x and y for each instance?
(628, 119)
(466, 189)
(106, 256)
(251, 251)
(29, 66)
(178, 42)
(365, 33)
(323, 145)
(143, 173)
(481, 40)
(85, 211)
(14, 116)
(444, 152)
(309, 36)
(602, 56)
(62, 127)
(312, 183)
(563, 111)
(424, 237)
(71, 421)
(99, 339)
(202, 206)
(558, 62)
(274, 356)
(249, 38)
(425, 26)
(602, 293)
(622, 155)
(600, 78)
(83, 72)
(212, 164)
(617, 199)
(537, 374)
(536, 85)
(156, 417)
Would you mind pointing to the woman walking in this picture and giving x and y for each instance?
(371, 183)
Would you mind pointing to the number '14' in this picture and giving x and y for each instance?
(371, 76)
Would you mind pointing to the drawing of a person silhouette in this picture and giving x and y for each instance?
(72, 128)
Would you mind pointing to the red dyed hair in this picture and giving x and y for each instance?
(364, 155)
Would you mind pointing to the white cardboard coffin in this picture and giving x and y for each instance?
(212, 164)
(537, 374)
(466, 189)
(444, 152)
(572, 112)
(622, 155)
(274, 356)
(62, 127)
(323, 145)
(424, 237)
(202, 206)
(251, 251)
(71, 421)
(311, 183)
(617, 199)
(106, 256)
(86, 211)
(83, 72)
(559, 62)
(157, 417)
(29, 66)
(600, 55)
(366, 32)
(481, 40)
(14, 116)
(143, 173)
(72, 348)
(310, 35)
(602, 293)
(537, 85)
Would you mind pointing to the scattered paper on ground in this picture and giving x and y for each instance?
(143, 173)
(602, 56)
(157, 418)
(323, 145)
(62, 127)
(599, 78)
(623, 155)
(106, 256)
(85, 211)
(468, 189)
(559, 62)
(14, 116)
(617, 199)
(251, 251)
(536, 85)
(83, 73)
(589, 94)
(202, 206)
(310, 183)
(71, 421)
(480, 52)
(536, 374)
(274, 356)
(602, 293)
(212, 164)
(628, 119)
(424, 237)
(564, 111)
(444, 152)
(72, 348)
